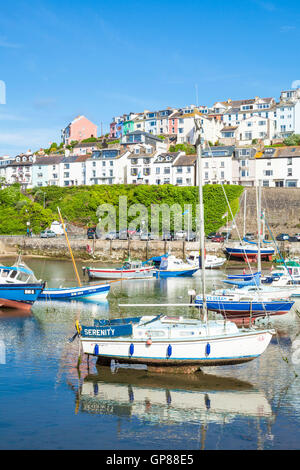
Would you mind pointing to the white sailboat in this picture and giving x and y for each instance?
(162, 341)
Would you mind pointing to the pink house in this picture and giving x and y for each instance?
(79, 129)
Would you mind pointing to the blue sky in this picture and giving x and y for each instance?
(63, 58)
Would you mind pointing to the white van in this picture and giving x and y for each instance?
(57, 228)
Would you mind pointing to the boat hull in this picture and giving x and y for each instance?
(91, 292)
(184, 273)
(120, 273)
(20, 296)
(251, 255)
(244, 309)
(211, 351)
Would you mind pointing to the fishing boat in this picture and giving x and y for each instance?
(162, 341)
(19, 287)
(286, 274)
(98, 291)
(132, 269)
(171, 266)
(211, 261)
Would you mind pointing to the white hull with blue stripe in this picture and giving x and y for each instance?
(173, 341)
(67, 293)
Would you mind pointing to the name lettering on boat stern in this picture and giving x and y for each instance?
(29, 291)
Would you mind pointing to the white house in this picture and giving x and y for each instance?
(279, 167)
(107, 166)
(288, 114)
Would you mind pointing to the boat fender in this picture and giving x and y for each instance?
(96, 349)
(169, 351)
(96, 389)
(207, 349)
(131, 349)
(149, 342)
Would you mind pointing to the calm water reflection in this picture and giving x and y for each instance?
(46, 404)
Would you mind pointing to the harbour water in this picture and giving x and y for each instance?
(47, 404)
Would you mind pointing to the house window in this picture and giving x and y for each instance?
(290, 172)
(157, 170)
(179, 181)
(66, 166)
(167, 170)
(266, 183)
(66, 174)
(290, 161)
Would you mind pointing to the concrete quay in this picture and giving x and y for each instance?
(113, 251)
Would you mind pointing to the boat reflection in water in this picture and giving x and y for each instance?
(170, 398)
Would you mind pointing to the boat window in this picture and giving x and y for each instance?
(23, 277)
(13, 274)
(154, 333)
(4, 273)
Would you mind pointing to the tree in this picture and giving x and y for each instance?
(292, 140)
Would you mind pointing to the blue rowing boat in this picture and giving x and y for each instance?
(99, 291)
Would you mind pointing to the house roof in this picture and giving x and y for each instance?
(229, 128)
(167, 157)
(279, 152)
(186, 160)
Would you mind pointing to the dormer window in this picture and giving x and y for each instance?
(24, 159)
(137, 151)
(18, 159)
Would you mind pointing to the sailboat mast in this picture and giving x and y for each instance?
(201, 215)
(245, 210)
(259, 227)
(70, 249)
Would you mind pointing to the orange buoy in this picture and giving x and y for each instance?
(149, 342)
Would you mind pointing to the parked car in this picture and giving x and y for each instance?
(91, 232)
(226, 235)
(211, 235)
(123, 234)
(145, 236)
(112, 236)
(218, 238)
(154, 236)
(190, 236)
(167, 235)
(250, 236)
(293, 239)
(297, 235)
(283, 236)
(48, 234)
(180, 235)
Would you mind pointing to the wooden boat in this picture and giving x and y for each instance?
(132, 269)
